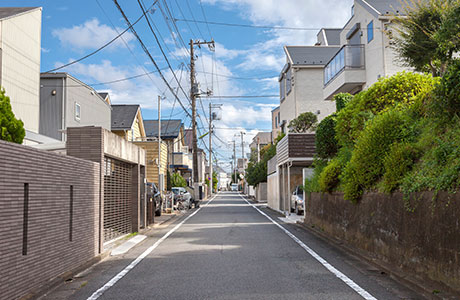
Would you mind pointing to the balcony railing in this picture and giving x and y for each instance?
(349, 57)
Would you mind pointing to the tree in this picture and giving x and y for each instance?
(11, 129)
(303, 123)
(427, 36)
(235, 179)
(214, 181)
(178, 181)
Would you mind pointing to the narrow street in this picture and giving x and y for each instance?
(229, 249)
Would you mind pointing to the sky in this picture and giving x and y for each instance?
(246, 60)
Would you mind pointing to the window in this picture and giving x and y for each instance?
(282, 88)
(352, 10)
(276, 122)
(77, 111)
(370, 31)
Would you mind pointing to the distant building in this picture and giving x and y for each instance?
(127, 122)
(20, 50)
(276, 128)
(262, 139)
(66, 102)
(241, 164)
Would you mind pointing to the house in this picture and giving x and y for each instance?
(66, 102)
(365, 53)
(276, 129)
(172, 133)
(127, 122)
(301, 83)
(20, 50)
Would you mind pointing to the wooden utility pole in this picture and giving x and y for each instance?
(210, 150)
(194, 93)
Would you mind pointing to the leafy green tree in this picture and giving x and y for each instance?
(214, 181)
(303, 123)
(178, 181)
(235, 179)
(11, 129)
(427, 36)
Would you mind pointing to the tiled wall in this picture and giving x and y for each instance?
(48, 216)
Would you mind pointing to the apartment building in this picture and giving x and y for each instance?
(20, 46)
(347, 59)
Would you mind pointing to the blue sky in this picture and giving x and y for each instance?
(246, 61)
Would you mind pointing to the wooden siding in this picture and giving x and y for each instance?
(151, 149)
(296, 145)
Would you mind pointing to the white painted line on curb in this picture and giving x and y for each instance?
(321, 260)
(149, 250)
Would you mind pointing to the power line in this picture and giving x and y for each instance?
(150, 56)
(249, 25)
(107, 44)
(244, 96)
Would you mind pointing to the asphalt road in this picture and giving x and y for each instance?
(231, 250)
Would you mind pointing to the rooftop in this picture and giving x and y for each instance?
(6, 12)
(310, 55)
(169, 128)
(123, 116)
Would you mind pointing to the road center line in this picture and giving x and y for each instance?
(149, 250)
(321, 260)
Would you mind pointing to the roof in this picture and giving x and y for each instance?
(7, 12)
(333, 36)
(310, 55)
(103, 95)
(384, 7)
(123, 116)
(169, 128)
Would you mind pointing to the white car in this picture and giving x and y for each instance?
(184, 195)
(234, 187)
(297, 201)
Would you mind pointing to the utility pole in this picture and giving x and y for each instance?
(159, 144)
(242, 155)
(234, 161)
(194, 93)
(212, 117)
(258, 149)
(210, 150)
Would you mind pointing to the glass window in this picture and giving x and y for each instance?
(282, 88)
(77, 111)
(370, 31)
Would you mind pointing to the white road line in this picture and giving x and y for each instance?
(149, 250)
(321, 260)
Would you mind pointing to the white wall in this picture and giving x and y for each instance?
(306, 95)
(20, 41)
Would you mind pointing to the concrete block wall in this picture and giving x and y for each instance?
(44, 231)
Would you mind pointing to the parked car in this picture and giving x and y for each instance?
(153, 195)
(297, 201)
(234, 187)
(181, 193)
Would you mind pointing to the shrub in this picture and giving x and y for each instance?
(11, 129)
(177, 180)
(326, 142)
(366, 164)
(311, 185)
(396, 92)
(341, 100)
(446, 99)
(397, 163)
(329, 177)
(303, 123)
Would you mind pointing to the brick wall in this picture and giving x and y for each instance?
(60, 234)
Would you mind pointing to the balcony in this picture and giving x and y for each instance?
(296, 149)
(345, 72)
(180, 161)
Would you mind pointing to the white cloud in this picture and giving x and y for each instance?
(313, 14)
(90, 35)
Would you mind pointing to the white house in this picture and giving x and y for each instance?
(347, 59)
(20, 47)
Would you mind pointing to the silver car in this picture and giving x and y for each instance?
(184, 195)
(297, 201)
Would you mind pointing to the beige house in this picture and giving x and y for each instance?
(20, 47)
(347, 59)
(127, 122)
(276, 129)
(366, 53)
